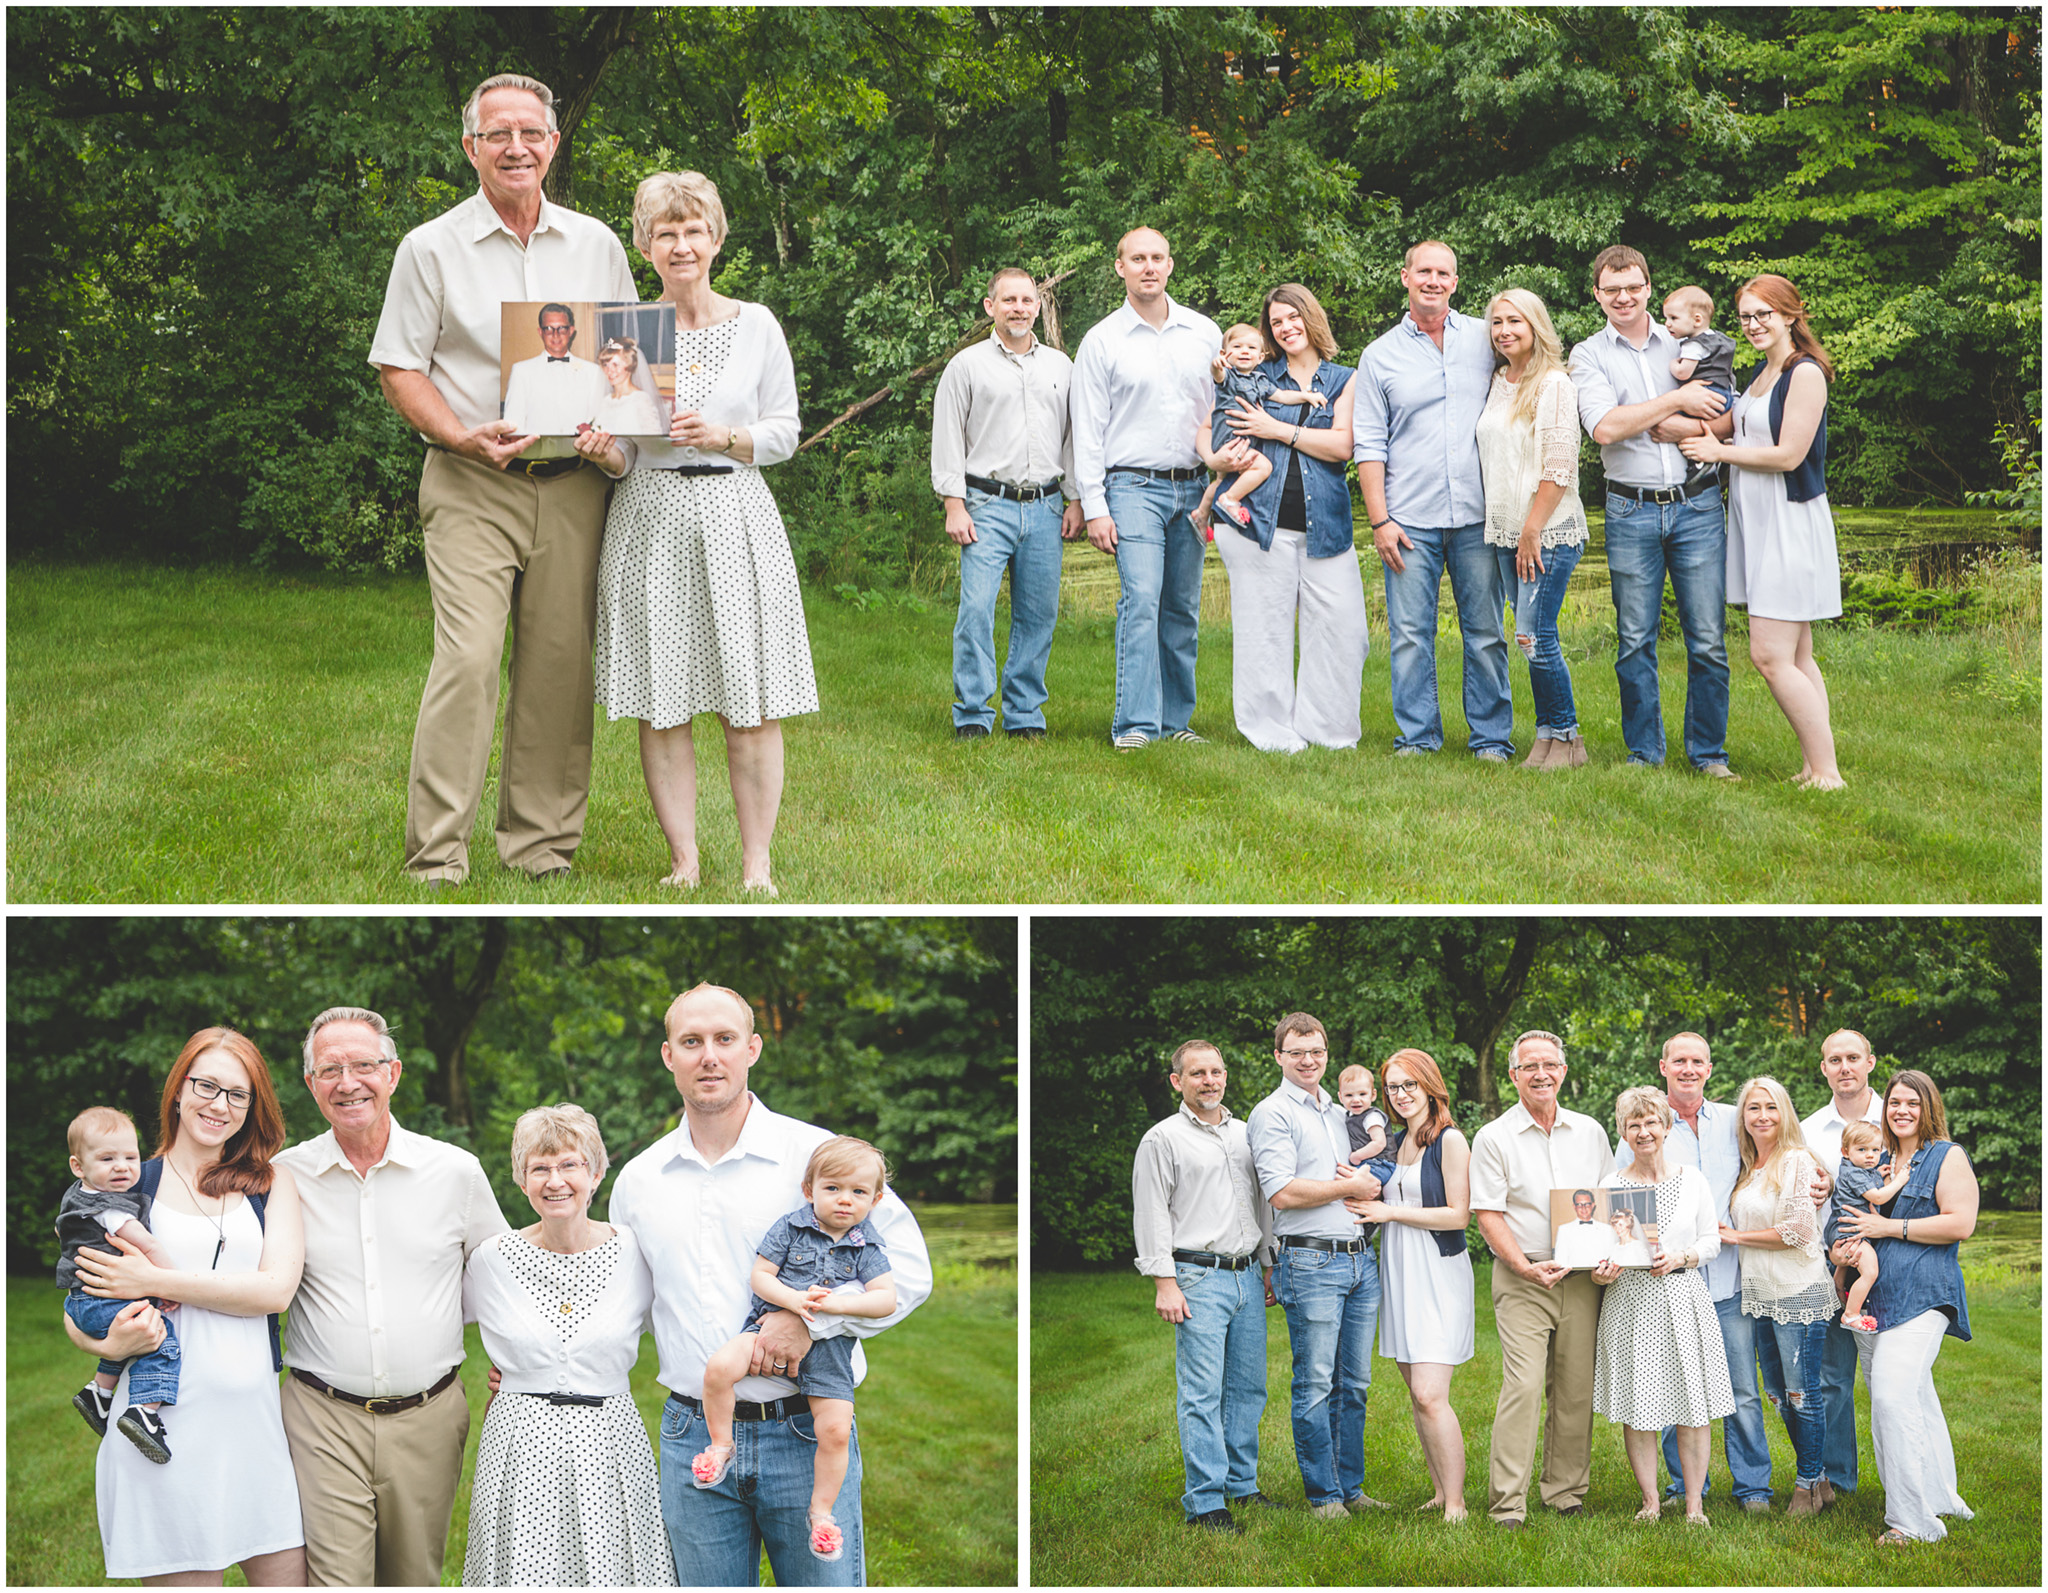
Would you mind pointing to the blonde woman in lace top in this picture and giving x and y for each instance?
(1529, 462)
(1786, 1284)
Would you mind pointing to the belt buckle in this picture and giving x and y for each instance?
(383, 1405)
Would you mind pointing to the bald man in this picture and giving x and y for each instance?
(1141, 392)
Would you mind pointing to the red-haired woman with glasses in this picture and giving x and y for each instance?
(1782, 561)
(224, 1492)
(1426, 1311)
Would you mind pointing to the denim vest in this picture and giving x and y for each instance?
(1912, 1277)
(1326, 486)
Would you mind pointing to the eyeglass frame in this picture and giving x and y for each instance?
(1405, 1087)
(1754, 317)
(1296, 1056)
(213, 1090)
(501, 137)
(578, 1163)
(323, 1075)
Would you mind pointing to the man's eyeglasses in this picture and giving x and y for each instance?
(1754, 317)
(1305, 1056)
(332, 1073)
(1624, 290)
(499, 137)
(207, 1090)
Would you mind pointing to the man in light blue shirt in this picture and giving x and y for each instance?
(1703, 1136)
(1326, 1279)
(1141, 393)
(1415, 435)
(1636, 410)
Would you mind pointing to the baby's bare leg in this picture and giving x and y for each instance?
(832, 1420)
(1866, 1276)
(1248, 479)
(728, 1364)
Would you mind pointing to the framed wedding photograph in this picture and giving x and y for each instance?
(1589, 1226)
(566, 366)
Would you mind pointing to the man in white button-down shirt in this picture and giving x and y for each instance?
(1205, 1238)
(699, 1200)
(373, 1408)
(1546, 1314)
(1326, 1278)
(504, 535)
(1142, 389)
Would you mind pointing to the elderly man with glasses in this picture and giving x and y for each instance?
(1545, 1313)
(374, 1410)
(1326, 1279)
(1636, 410)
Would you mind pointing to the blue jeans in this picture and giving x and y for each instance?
(716, 1534)
(1159, 567)
(1332, 1303)
(1838, 1400)
(1689, 542)
(1023, 538)
(1797, 1351)
(1411, 639)
(1536, 605)
(1219, 1362)
(1742, 1434)
(152, 1378)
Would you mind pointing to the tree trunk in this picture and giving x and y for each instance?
(571, 60)
(1482, 1010)
(455, 998)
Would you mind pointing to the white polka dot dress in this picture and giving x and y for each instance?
(1659, 1360)
(698, 607)
(565, 1495)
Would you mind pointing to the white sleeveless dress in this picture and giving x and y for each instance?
(1426, 1309)
(1782, 560)
(228, 1490)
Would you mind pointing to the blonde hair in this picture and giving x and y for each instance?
(1860, 1133)
(668, 1018)
(1790, 1140)
(841, 1155)
(94, 1121)
(1249, 331)
(676, 196)
(1641, 1100)
(1692, 298)
(543, 1129)
(627, 348)
(1545, 358)
(1352, 1071)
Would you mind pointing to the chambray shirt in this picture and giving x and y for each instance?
(1609, 372)
(1298, 1135)
(1714, 1152)
(1417, 412)
(1139, 394)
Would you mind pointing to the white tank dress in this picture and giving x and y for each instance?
(228, 1490)
(1425, 1297)
(1782, 562)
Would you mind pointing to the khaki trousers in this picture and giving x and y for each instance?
(376, 1493)
(498, 546)
(1546, 1356)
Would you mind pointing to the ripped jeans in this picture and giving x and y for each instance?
(1790, 1357)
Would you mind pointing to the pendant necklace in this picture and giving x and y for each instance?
(218, 1227)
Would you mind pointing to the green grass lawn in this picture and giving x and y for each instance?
(227, 736)
(1106, 1476)
(937, 1413)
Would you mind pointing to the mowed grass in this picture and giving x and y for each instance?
(937, 1415)
(1106, 1476)
(231, 737)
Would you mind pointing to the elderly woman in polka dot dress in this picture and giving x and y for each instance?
(698, 609)
(565, 1493)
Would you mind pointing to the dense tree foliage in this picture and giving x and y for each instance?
(1110, 999)
(902, 1031)
(203, 205)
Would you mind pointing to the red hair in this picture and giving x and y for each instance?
(1431, 1078)
(1780, 295)
(244, 1165)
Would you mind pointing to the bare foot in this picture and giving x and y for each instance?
(1454, 1514)
(1826, 782)
(682, 875)
(1436, 1503)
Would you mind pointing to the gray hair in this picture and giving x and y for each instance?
(1641, 1100)
(555, 1128)
(1515, 1050)
(676, 196)
(472, 117)
(351, 1015)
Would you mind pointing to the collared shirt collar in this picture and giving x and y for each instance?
(806, 1217)
(1177, 314)
(1451, 318)
(1518, 1119)
(1320, 1101)
(1656, 331)
(1188, 1112)
(756, 1138)
(996, 337)
(327, 1151)
(487, 220)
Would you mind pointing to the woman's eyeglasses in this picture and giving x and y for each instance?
(207, 1090)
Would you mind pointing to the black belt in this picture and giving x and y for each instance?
(541, 469)
(1209, 1258)
(1659, 494)
(377, 1404)
(746, 1410)
(565, 1399)
(701, 470)
(1342, 1247)
(1002, 489)
(1187, 474)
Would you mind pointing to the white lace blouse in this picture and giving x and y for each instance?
(1792, 1285)
(1516, 457)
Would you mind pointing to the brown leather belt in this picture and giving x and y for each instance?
(377, 1404)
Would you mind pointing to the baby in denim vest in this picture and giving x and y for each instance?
(1237, 377)
(1862, 1185)
(1704, 355)
(106, 1161)
(823, 1256)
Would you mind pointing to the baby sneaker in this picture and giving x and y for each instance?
(145, 1429)
(94, 1403)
